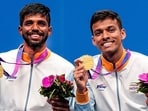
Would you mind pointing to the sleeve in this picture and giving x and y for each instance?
(87, 104)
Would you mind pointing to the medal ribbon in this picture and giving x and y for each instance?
(18, 61)
(97, 71)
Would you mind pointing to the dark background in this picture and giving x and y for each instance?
(71, 35)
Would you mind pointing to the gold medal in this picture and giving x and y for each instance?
(87, 62)
(1, 71)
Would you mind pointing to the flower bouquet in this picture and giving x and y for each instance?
(56, 86)
(143, 83)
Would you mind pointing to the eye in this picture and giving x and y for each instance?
(111, 29)
(42, 23)
(97, 33)
(28, 23)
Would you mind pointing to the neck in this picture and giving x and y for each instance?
(31, 52)
(113, 57)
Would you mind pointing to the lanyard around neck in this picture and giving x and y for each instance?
(98, 69)
(42, 56)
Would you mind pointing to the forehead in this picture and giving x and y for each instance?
(35, 17)
(101, 24)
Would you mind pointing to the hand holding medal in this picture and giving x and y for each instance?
(81, 72)
(87, 62)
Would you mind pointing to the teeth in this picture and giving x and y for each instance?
(34, 35)
(108, 44)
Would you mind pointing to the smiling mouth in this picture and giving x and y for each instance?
(34, 36)
(108, 44)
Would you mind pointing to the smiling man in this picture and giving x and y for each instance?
(112, 84)
(23, 69)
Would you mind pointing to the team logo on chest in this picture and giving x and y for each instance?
(101, 87)
(133, 87)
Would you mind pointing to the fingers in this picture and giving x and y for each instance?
(146, 101)
(80, 74)
(59, 104)
(79, 71)
(58, 101)
(146, 94)
(77, 62)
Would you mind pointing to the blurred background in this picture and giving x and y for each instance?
(70, 19)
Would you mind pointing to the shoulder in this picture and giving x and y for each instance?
(59, 59)
(139, 58)
(9, 54)
(139, 55)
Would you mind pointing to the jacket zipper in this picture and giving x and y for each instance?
(29, 85)
(118, 97)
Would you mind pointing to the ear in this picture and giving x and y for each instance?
(49, 30)
(20, 29)
(93, 40)
(123, 34)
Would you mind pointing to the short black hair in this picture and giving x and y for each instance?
(102, 15)
(35, 8)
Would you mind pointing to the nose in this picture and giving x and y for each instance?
(35, 27)
(105, 34)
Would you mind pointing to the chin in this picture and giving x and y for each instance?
(108, 51)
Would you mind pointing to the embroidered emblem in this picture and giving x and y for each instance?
(133, 87)
(101, 87)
